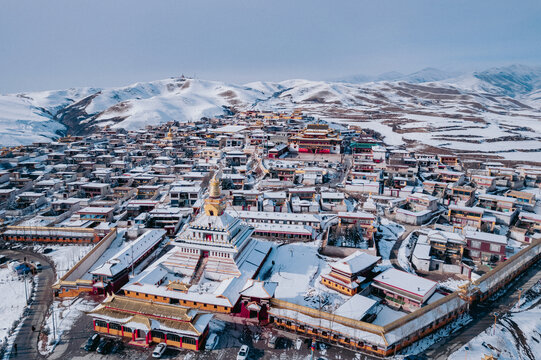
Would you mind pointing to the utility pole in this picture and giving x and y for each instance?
(495, 318)
(519, 295)
(25, 290)
(132, 270)
(54, 328)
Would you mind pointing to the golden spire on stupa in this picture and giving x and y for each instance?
(214, 204)
(169, 135)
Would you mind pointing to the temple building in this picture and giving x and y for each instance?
(317, 139)
(346, 275)
(210, 263)
(146, 322)
(169, 140)
(221, 242)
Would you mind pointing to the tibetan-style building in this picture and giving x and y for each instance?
(146, 322)
(347, 274)
(220, 242)
(317, 139)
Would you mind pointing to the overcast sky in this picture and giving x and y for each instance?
(59, 44)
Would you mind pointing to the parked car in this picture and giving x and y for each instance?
(159, 350)
(92, 343)
(212, 340)
(272, 342)
(38, 266)
(105, 346)
(117, 347)
(243, 352)
(298, 343)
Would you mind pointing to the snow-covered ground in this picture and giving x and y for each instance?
(451, 284)
(13, 300)
(297, 269)
(429, 340)
(13, 305)
(64, 256)
(66, 313)
(517, 335)
(388, 233)
(405, 250)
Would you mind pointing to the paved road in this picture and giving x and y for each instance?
(27, 341)
(482, 318)
(394, 251)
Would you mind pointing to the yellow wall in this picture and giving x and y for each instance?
(337, 287)
(173, 343)
(189, 346)
(72, 292)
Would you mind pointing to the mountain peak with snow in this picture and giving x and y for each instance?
(41, 116)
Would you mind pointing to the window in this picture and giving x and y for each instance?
(476, 244)
(114, 326)
(474, 254)
(101, 323)
(189, 340)
(173, 337)
(495, 247)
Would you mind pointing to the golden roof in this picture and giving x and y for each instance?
(178, 285)
(126, 310)
(131, 305)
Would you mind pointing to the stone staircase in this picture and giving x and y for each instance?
(199, 269)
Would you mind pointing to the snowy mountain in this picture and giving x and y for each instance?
(496, 111)
(421, 76)
(513, 81)
(30, 117)
(428, 75)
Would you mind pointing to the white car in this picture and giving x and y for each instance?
(211, 342)
(159, 350)
(243, 353)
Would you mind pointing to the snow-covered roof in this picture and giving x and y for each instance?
(95, 210)
(229, 129)
(422, 251)
(356, 215)
(130, 253)
(356, 262)
(482, 236)
(356, 307)
(276, 216)
(284, 228)
(259, 289)
(407, 282)
(445, 236)
(332, 195)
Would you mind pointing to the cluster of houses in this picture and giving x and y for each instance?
(183, 216)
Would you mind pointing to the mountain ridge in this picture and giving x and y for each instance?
(492, 97)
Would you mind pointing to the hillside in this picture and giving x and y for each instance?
(495, 112)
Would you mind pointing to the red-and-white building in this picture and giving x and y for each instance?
(317, 139)
(403, 290)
